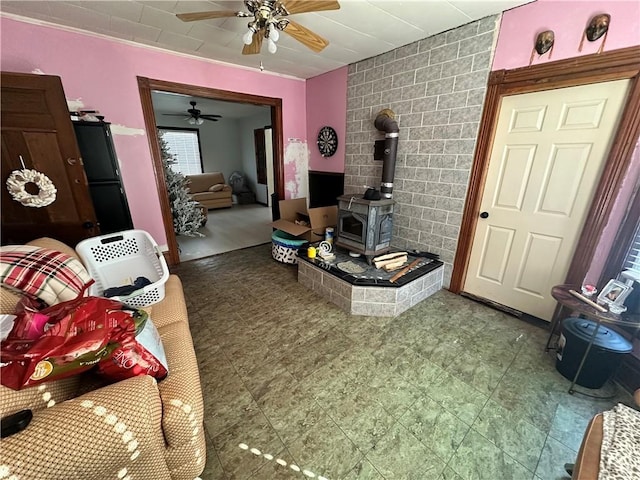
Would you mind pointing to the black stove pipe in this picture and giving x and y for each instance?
(385, 122)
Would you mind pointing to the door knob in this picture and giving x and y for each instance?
(484, 215)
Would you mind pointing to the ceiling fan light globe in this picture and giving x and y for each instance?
(192, 121)
(199, 121)
(274, 34)
(271, 46)
(247, 38)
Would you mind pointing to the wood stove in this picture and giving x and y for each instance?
(364, 226)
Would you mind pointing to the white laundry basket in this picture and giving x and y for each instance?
(117, 259)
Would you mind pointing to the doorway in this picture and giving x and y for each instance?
(218, 147)
(616, 65)
(147, 86)
(547, 154)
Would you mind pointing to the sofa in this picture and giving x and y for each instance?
(139, 428)
(210, 190)
(587, 466)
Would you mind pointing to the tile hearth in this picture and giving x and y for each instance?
(448, 390)
(373, 300)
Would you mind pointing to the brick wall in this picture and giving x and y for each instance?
(436, 87)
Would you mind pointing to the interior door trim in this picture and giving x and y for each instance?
(615, 65)
(146, 85)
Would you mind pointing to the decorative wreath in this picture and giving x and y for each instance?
(20, 178)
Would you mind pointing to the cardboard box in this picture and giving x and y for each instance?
(317, 219)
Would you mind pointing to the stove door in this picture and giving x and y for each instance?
(352, 226)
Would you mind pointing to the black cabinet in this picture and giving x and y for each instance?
(103, 174)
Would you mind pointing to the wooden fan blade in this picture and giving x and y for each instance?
(210, 117)
(193, 16)
(312, 40)
(302, 6)
(255, 46)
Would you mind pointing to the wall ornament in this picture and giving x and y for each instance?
(19, 179)
(597, 28)
(544, 44)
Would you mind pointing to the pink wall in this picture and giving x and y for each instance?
(568, 19)
(102, 74)
(615, 220)
(327, 105)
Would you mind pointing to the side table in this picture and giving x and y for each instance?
(561, 293)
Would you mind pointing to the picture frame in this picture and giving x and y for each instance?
(615, 292)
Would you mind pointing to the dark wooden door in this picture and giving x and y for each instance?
(36, 126)
(261, 155)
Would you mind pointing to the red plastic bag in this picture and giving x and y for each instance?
(76, 336)
(139, 355)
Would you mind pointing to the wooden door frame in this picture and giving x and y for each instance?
(146, 85)
(615, 65)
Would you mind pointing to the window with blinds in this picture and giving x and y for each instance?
(632, 262)
(184, 145)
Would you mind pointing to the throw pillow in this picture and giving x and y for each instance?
(216, 188)
(49, 275)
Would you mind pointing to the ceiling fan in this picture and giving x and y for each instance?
(267, 22)
(195, 117)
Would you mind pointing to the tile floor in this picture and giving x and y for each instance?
(450, 389)
(228, 229)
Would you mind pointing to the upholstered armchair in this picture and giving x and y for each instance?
(587, 464)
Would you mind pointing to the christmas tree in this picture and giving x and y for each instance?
(187, 215)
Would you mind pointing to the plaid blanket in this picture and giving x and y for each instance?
(51, 276)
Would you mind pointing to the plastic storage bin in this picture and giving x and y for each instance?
(284, 247)
(119, 258)
(605, 355)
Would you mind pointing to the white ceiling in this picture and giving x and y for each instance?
(359, 30)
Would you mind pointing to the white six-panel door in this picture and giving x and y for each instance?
(546, 159)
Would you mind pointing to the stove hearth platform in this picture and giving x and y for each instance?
(366, 290)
